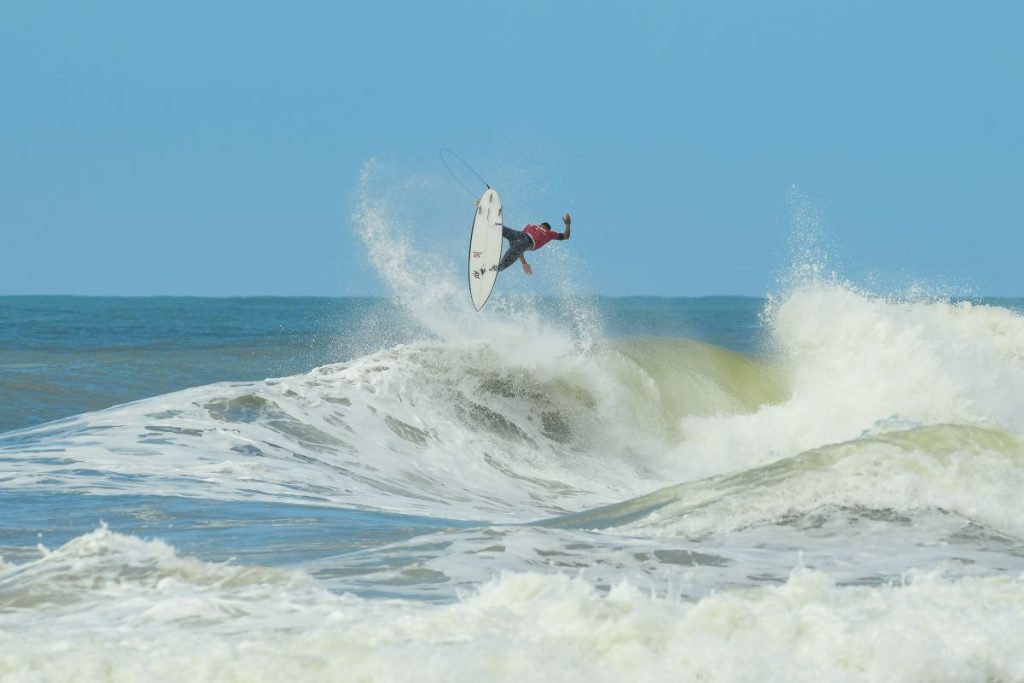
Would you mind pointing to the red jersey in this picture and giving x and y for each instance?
(540, 236)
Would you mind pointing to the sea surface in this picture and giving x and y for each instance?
(821, 485)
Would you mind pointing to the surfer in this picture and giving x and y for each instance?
(530, 238)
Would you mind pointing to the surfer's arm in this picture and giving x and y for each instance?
(567, 219)
(526, 266)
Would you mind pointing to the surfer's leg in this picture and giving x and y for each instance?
(511, 255)
(518, 244)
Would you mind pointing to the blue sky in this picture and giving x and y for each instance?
(215, 148)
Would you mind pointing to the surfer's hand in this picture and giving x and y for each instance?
(527, 269)
(567, 219)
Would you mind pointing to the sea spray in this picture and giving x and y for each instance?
(422, 261)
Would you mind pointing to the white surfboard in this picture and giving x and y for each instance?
(484, 247)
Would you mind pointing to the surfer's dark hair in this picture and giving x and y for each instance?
(546, 226)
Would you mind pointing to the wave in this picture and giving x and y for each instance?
(971, 472)
(105, 563)
(470, 428)
(428, 429)
(891, 408)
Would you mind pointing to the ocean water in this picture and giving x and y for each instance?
(820, 485)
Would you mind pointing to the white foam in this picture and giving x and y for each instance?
(860, 364)
(148, 615)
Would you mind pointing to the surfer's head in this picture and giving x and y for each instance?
(546, 226)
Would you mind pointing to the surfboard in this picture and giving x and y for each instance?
(484, 247)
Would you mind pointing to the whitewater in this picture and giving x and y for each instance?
(828, 492)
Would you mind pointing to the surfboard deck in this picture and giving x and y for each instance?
(485, 247)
